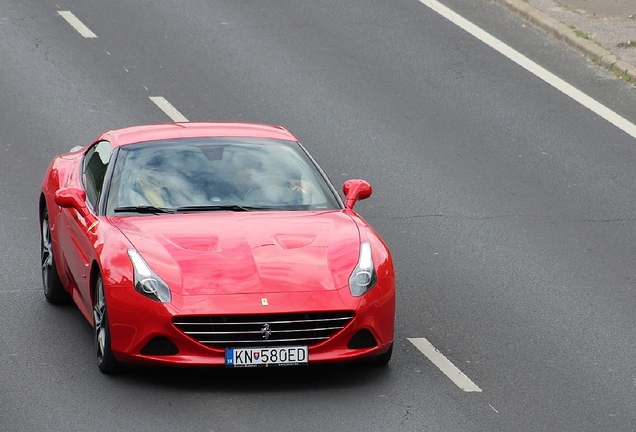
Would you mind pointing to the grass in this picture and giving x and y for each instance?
(622, 76)
(584, 35)
(629, 44)
(579, 33)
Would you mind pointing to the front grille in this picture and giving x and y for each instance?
(237, 331)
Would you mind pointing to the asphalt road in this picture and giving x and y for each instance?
(507, 204)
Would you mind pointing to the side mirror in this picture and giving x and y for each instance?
(355, 190)
(72, 198)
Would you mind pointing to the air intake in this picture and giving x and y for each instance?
(257, 330)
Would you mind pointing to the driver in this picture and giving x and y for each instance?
(246, 180)
(238, 180)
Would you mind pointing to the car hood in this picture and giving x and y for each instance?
(255, 252)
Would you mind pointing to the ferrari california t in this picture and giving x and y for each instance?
(220, 244)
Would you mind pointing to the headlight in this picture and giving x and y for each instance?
(363, 277)
(146, 281)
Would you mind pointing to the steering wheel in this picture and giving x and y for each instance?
(269, 185)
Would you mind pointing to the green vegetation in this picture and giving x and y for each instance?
(579, 33)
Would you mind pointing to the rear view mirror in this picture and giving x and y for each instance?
(72, 198)
(355, 190)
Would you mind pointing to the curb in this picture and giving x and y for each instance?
(589, 48)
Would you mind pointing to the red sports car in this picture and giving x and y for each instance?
(214, 244)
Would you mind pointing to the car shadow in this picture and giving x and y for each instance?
(259, 380)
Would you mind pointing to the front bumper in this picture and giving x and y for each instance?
(137, 323)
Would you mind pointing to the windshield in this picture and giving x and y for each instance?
(212, 174)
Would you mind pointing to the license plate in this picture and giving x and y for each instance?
(279, 356)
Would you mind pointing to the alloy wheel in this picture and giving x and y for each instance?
(101, 326)
(53, 289)
(46, 253)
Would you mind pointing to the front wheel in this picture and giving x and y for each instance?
(53, 289)
(383, 359)
(106, 361)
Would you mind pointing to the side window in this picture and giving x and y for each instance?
(96, 162)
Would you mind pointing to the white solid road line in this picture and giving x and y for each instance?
(168, 109)
(77, 24)
(445, 365)
(598, 108)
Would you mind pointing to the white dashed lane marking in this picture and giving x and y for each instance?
(167, 108)
(532, 67)
(77, 24)
(445, 365)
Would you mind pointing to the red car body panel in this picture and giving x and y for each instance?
(221, 263)
(262, 252)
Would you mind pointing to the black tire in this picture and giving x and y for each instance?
(53, 289)
(106, 361)
(383, 359)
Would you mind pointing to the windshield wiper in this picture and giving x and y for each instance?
(144, 209)
(232, 207)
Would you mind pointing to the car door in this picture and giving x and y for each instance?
(82, 239)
